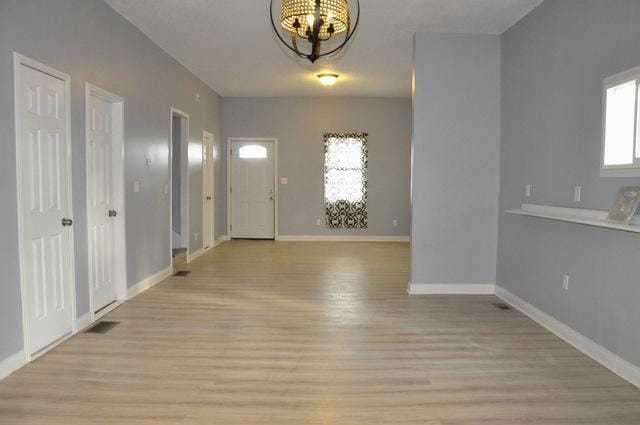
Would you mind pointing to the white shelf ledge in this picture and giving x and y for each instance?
(596, 218)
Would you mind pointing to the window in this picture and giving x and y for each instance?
(621, 138)
(252, 152)
(345, 180)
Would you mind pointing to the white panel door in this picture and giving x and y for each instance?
(101, 214)
(207, 189)
(252, 190)
(45, 212)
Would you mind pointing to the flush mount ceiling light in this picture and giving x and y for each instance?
(328, 79)
(317, 22)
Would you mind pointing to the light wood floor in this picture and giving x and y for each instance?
(314, 333)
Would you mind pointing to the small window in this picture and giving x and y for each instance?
(252, 152)
(621, 138)
(345, 180)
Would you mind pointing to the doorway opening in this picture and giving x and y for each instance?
(179, 171)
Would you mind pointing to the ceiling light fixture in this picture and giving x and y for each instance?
(318, 22)
(328, 79)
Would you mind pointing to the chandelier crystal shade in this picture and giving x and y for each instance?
(314, 22)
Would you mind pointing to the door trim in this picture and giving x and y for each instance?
(205, 133)
(175, 111)
(19, 60)
(230, 141)
(117, 173)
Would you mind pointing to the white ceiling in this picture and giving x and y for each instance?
(230, 45)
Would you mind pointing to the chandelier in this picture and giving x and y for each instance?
(315, 22)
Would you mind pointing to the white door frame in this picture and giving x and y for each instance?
(230, 141)
(19, 60)
(184, 174)
(117, 173)
(213, 188)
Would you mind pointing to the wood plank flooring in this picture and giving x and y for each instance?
(293, 333)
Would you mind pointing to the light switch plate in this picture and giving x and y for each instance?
(528, 191)
(284, 180)
(136, 186)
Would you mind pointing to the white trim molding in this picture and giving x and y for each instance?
(12, 363)
(148, 282)
(191, 257)
(340, 238)
(597, 352)
(83, 321)
(451, 288)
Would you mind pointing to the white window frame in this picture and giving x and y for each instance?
(625, 170)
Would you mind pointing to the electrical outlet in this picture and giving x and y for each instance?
(577, 193)
(197, 97)
(565, 282)
(395, 223)
(319, 222)
(196, 236)
(527, 191)
(136, 186)
(166, 189)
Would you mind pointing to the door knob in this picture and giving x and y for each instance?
(66, 222)
(271, 198)
(113, 213)
(208, 198)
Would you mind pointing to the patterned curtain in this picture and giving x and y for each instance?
(345, 180)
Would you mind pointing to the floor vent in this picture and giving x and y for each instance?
(182, 273)
(502, 306)
(101, 327)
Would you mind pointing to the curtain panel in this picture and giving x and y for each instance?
(345, 180)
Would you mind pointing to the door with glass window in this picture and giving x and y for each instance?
(252, 189)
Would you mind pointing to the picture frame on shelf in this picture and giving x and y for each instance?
(626, 205)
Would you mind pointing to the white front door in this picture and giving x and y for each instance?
(101, 214)
(207, 189)
(252, 189)
(45, 209)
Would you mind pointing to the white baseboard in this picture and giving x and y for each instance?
(12, 363)
(148, 282)
(451, 288)
(340, 238)
(597, 352)
(16, 361)
(192, 256)
(83, 321)
(217, 242)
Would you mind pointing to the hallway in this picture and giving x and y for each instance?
(313, 333)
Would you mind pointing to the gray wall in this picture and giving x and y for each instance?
(89, 41)
(456, 137)
(553, 65)
(299, 125)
